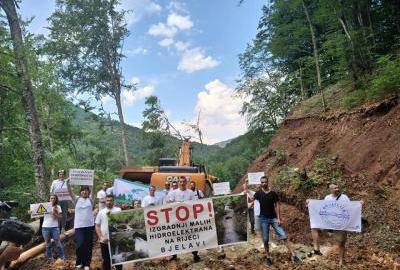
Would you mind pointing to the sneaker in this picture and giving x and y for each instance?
(296, 259)
(66, 233)
(268, 261)
(86, 268)
(79, 266)
(196, 258)
(173, 258)
(314, 252)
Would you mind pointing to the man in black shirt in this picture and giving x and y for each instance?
(270, 216)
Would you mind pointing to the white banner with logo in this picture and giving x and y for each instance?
(82, 177)
(335, 215)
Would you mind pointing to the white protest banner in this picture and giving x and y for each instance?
(335, 215)
(221, 188)
(39, 209)
(63, 194)
(82, 177)
(175, 228)
(254, 177)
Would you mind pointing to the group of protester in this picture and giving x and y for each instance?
(264, 212)
(54, 223)
(263, 206)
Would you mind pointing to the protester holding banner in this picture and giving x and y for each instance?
(198, 194)
(339, 235)
(59, 188)
(102, 231)
(270, 216)
(151, 199)
(84, 225)
(167, 189)
(180, 195)
(101, 195)
(50, 229)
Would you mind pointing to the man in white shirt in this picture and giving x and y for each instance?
(151, 199)
(198, 194)
(340, 236)
(58, 187)
(250, 205)
(101, 195)
(101, 224)
(180, 195)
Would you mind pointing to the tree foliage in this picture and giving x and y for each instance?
(279, 67)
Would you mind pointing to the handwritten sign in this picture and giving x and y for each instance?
(82, 177)
(335, 215)
(254, 177)
(221, 188)
(40, 209)
(63, 194)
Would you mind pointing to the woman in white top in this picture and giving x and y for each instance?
(50, 229)
(84, 225)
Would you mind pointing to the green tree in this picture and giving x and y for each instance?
(87, 37)
(25, 88)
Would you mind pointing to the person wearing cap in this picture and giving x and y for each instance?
(83, 225)
(57, 186)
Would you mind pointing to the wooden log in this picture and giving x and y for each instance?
(33, 252)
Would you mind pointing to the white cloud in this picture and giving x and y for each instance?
(181, 46)
(138, 50)
(166, 42)
(180, 22)
(177, 6)
(195, 59)
(162, 30)
(220, 118)
(131, 97)
(135, 80)
(105, 99)
(139, 9)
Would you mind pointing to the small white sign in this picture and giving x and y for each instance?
(81, 177)
(221, 188)
(39, 209)
(254, 177)
(63, 194)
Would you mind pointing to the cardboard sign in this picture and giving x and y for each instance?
(335, 215)
(221, 188)
(175, 228)
(39, 209)
(254, 177)
(81, 177)
(63, 194)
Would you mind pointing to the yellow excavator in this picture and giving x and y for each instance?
(170, 169)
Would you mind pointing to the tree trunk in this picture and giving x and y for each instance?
(316, 55)
(122, 124)
(28, 99)
(303, 96)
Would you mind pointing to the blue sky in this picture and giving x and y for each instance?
(185, 53)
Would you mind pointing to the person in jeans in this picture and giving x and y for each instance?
(83, 225)
(270, 216)
(58, 186)
(102, 231)
(50, 229)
